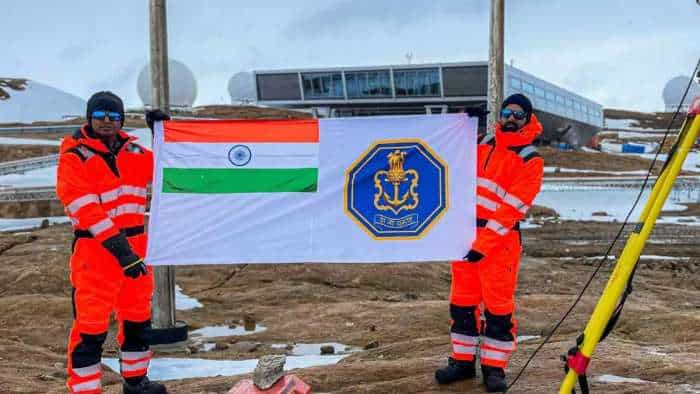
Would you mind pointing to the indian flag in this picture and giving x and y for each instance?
(240, 157)
(312, 190)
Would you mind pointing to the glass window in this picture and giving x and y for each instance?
(577, 106)
(322, 85)
(539, 91)
(417, 83)
(368, 84)
(528, 88)
(560, 100)
(549, 95)
(569, 102)
(515, 83)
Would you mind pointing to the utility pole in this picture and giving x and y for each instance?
(164, 276)
(495, 92)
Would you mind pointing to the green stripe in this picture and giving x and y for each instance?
(239, 180)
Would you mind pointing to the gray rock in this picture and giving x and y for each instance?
(269, 370)
(327, 349)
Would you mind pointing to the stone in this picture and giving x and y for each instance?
(44, 223)
(327, 349)
(372, 345)
(245, 346)
(269, 370)
(220, 346)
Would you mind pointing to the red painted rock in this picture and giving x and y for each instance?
(289, 384)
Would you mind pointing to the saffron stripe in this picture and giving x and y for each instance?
(241, 131)
(243, 180)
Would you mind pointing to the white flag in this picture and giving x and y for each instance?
(343, 190)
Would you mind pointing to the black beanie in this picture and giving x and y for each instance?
(104, 101)
(521, 100)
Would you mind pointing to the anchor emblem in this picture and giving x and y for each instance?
(396, 176)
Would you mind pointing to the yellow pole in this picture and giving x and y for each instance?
(633, 249)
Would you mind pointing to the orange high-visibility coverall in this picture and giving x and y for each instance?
(509, 177)
(104, 194)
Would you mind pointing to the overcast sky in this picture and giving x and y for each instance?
(619, 53)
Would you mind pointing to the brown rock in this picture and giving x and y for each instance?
(372, 345)
(269, 370)
(249, 322)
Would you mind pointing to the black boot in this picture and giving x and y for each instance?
(455, 370)
(144, 386)
(494, 379)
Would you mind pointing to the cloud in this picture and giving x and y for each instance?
(388, 14)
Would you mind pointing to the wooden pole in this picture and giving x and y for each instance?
(495, 92)
(164, 276)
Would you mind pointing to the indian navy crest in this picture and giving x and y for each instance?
(396, 189)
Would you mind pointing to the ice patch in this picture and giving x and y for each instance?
(655, 257)
(184, 368)
(619, 379)
(40, 177)
(30, 223)
(28, 141)
(523, 338)
(225, 331)
(184, 302)
(552, 170)
(580, 202)
(314, 349)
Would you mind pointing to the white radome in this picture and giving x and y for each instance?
(183, 86)
(241, 88)
(674, 89)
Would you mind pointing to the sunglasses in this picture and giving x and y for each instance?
(507, 112)
(113, 116)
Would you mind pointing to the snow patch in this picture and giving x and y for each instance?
(27, 141)
(225, 331)
(184, 368)
(619, 379)
(314, 349)
(184, 302)
(524, 338)
(30, 223)
(40, 177)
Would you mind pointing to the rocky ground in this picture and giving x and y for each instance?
(397, 313)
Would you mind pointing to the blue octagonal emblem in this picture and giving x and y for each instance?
(397, 189)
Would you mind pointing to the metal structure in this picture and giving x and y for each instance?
(164, 276)
(618, 288)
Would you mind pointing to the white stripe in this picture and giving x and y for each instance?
(100, 227)
(526, 151)
(262, 155)
(87, 371)
(516, 203)
(491, 186)
(80, 202)
(494, 355)
(487, 203)
(497, 227)
(506, 346)
(93, 384)
(126, 208)
(123, 190)
(461, 349)
(464, 338)
(133, 356)
(134, 367)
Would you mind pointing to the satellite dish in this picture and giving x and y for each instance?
(183, 87)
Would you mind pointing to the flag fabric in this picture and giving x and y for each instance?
(350, 190)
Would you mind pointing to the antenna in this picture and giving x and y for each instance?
(409, 55)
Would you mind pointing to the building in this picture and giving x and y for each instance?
(426, 88)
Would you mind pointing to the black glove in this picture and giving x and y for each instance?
(473, 256)
(119, 247)
(155, 116)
